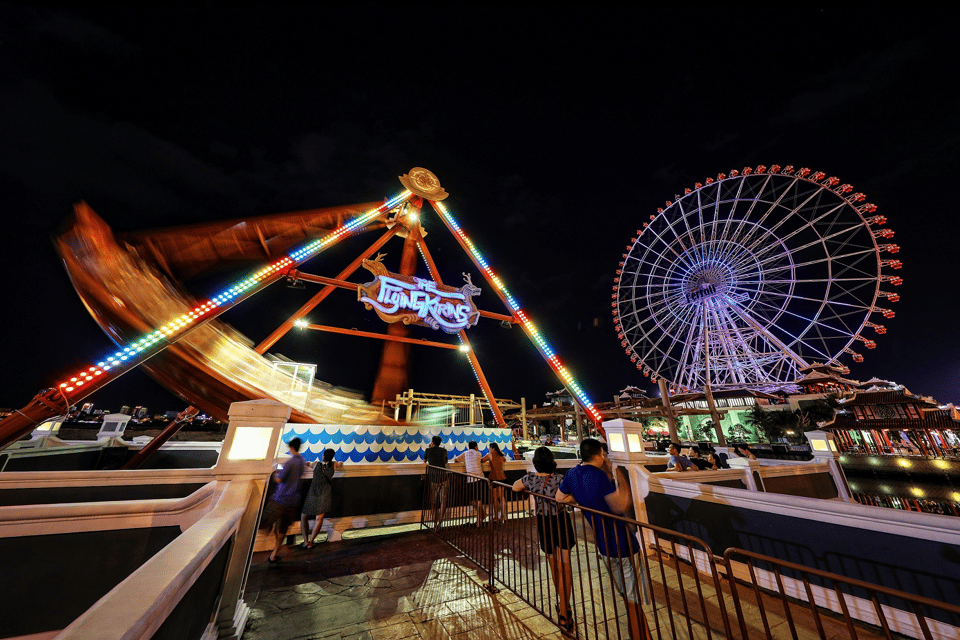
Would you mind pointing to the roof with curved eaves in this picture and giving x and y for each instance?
(888, 396)
(939, 418)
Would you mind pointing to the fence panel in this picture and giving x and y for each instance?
(800, 591)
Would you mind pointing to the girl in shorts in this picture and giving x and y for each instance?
(554, 528)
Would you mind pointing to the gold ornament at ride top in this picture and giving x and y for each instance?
(423, 183)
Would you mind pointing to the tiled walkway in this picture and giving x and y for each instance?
(353, 589)
(439, 598)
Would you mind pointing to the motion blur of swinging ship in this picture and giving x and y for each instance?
(130, 283)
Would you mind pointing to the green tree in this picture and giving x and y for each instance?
(756, 418)
(737, 433)
(704, 430)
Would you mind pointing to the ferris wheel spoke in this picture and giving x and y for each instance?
(723, 337)
(828, 259)
(689, 232)
(807, 224)
(751, 356)
(736, 236)
(736, 200)
(747, 238)
(838, 303)
(822, 240)
(812, 322)
(664, 333)
(654, 304)
(811, 280)
(657, 322)
(746, 317)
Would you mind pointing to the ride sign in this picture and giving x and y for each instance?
(412, 300)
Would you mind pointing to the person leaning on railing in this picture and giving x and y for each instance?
(591, 485)
(436, 455)
(498, 503)
(553, 527)
(319, 497)
(476, 488)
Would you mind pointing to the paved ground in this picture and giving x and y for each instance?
(414, 585)
(319, 594)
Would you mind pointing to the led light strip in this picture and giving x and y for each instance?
(514, 306)
(134, 351)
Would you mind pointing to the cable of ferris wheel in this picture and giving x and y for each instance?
(693, 241)
(812, 243)
(733, 209)
(808, 280)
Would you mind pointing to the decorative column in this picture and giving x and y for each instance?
(625, 441)
(248, 455)
(824, 449)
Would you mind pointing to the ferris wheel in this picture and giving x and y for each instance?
(746, 279)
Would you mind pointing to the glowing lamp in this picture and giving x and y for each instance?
(822, 443)
(625, 440)
(464, 348)
(301, 323)
(250, 443)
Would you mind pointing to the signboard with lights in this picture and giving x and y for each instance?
(412, 300)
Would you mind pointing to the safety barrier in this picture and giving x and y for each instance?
(670, 586)
(800, 590)
(606, 589)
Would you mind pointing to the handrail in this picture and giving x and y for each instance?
(77, 511)
(851, 514)
(807, 594)
(60, 479)
(161, 582)
(508, 552)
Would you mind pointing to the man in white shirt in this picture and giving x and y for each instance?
(476, 483)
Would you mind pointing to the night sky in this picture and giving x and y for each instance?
(556, 132)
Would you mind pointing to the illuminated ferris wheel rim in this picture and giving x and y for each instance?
(761, 272)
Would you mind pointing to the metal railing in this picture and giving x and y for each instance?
(615, 577)
(805, 591)
(597, 581)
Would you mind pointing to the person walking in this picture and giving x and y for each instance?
(476, 483)
(591, 485)
(319, 497)
(498, 503)
(281, 509)
(554, 528)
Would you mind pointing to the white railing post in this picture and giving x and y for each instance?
(248, 453)
(824, 449)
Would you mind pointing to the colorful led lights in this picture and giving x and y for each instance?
(514, 306)
(127, 355)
